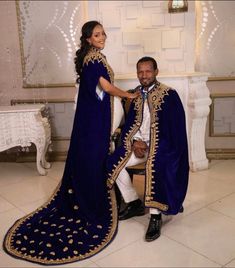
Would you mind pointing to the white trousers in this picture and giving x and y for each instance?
(125, 184)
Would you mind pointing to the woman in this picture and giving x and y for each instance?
(80, 218)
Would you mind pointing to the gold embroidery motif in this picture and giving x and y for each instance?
(95, 55)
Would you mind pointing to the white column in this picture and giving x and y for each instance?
(198, 109)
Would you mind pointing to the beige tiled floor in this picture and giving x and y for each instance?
(203, 236)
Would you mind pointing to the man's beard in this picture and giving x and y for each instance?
(148, 84)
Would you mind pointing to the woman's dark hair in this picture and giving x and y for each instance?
(86, 32)
(144, 59)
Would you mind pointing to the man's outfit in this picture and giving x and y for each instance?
(157, 118)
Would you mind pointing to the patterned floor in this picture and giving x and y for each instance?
(203, 236)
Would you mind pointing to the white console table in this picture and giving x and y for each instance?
(22, 125)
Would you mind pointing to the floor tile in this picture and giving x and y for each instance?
(223, 171)
(128, 232)
(204, 190)
(7, 219)
(162, 252)
(207, 232)
(56, 170)
(202, 236)
(28, 208)
(230, 264)
(14, 173)
(225, 206)
(28, 190)
(5, 205)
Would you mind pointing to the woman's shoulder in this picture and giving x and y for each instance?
(94, 55)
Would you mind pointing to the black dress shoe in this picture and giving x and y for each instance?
(134, 208)
(154, 228)
(181, 210)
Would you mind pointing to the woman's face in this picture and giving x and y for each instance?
(98, 37)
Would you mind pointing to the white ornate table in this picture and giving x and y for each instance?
(22, 125)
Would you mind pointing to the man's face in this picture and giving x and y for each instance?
(146, 73)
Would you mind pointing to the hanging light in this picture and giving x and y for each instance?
(175, 6)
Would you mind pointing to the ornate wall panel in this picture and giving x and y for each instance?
(216, 38)
(49, 32)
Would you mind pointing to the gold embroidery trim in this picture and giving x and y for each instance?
(138, 102)
(155, 100)
(158, 205)
(108, 237)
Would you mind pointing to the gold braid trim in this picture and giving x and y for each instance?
(155, 100)
(138, 102)
(95, 55)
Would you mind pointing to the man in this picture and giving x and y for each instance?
(155, 132)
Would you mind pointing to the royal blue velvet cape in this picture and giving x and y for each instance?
(80, 218)
(167, 167)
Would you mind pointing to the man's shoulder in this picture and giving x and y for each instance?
(164, 87)
(167, 89)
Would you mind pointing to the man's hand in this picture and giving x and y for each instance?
(139, 148)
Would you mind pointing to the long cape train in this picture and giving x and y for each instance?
(80, 218)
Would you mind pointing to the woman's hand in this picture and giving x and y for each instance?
(115, 91)
(133, 95)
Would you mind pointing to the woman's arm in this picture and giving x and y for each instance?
(115, 91)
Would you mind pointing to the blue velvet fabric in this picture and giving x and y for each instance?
(167, 167)
(80, 219)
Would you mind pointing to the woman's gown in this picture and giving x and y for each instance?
(80, 218)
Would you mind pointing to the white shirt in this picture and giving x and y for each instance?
(144, 130)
